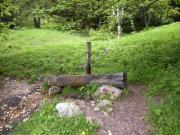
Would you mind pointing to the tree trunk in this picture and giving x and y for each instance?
(119, 29)
(119, 16)
(118, 80)
(167, 14)
(100, 21)
(37, 22)
(147, 19)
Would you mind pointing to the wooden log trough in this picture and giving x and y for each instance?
(118, 80)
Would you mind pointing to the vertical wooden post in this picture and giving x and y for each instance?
(125, 80)
(88, 58)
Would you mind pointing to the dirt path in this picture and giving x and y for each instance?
(127, 118)
(18, 100)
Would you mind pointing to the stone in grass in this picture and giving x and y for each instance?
(68, 109)
(105, 105)
(26, 119)
(92, 120)
(108, 91)
(53, 90)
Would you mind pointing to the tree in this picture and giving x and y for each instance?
(173, 11)
(8, 11)
(120, 16)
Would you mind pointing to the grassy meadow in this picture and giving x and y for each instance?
(150, 57)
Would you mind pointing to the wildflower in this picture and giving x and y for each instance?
(83, 133)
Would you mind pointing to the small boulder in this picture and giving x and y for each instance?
(26, 119)
(96, 109)
(92, 120)
(110, 91)
(54, 90)
(105, 105)
(68, 109)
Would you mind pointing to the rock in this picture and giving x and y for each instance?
(109, 132)
(108, 91)
(96, 109)
(68, 109)
(54, 90)
(8, 126)
(89, 119)
(26, 119)
(110, 109)
(1, 128)
(105, 113)
(93, 103)
(7, 79)
(107, 50)
(94, 120)
(105, 105)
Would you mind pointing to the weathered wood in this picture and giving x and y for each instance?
(88, 58)
(118, 80)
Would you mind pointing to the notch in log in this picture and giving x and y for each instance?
(88, 58)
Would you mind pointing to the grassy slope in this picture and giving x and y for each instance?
(34, 53)
(151, 57)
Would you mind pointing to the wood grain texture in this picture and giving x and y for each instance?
(118, 80)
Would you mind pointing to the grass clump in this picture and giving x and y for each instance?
(44, 88)
(87, 91)
(46, 122)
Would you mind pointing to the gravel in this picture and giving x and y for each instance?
(127, 118)
(18, 100)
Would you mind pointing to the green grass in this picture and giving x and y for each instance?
(46, 122)
(32, 53)
(151, 57)
(83, 92)
(35, 53)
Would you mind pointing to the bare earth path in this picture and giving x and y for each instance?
(18, 100)
(127, 117)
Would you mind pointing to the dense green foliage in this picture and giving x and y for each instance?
(130, 15)
(151, 57)
(46, 122)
